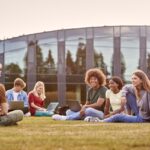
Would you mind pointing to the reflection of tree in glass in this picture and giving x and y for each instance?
(50, 60)
(148, 65)
(12, 71)
(69, 63)
(80, 62)
(99, 62)
(123, 66)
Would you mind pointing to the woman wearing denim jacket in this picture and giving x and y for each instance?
(137, 96)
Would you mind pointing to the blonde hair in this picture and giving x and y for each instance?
(39, 83)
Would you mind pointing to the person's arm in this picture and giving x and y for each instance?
(4, 109)
(25, 99)
(37, 107)
(107, 107)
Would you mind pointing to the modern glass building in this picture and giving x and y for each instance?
(60, 58)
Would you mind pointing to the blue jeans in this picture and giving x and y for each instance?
(71, 115)
(43, 113)
(124, 118)
(131, 103)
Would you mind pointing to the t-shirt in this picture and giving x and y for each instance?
(15, 95)
(93, 96)
(115, 99)
(37, 101)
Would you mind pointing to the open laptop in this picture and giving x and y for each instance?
(74, 105)
(52, 106)
(16, 105)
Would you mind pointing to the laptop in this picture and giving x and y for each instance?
(74, 105)
(16, 105)
(52, 106)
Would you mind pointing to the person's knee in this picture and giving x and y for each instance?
(88, 111)
(16, 115)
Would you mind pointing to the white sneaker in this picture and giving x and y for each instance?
(92, 119)
(59, 117)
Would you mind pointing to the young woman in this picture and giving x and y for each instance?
(95, 102)
(113, 97)
(137, 96)
(6, 118)
(36, 100)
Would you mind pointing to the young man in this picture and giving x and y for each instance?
(17, 93)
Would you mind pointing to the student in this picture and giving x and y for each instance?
(36, 100)
(137, 96)
(17, 93)
(6, 118)
(95, 102)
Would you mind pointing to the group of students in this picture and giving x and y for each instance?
(118, 103)
(33, 102)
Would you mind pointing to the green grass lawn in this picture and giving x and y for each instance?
(43, 133)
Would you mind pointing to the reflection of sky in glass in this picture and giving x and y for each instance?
(130, 51)
(131, 57)
(16, 57)
(14, 45)
(130, 42)
(1, 47)
(130, 31)
(105, 46)
(103, 32)
(45, 50)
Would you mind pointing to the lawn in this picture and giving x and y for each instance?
(43, 133)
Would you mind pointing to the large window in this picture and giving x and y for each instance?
(103, 49)
(15, 60)
(75, 49)
(1, 47)
(46, 59)
(148, 51)
(129, 51)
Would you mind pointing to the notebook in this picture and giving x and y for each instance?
(16, 105)
(52, 106)
(74, 105)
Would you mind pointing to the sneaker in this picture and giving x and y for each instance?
(59, 117)
(92, 119)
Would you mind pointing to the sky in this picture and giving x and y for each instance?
(22, 17)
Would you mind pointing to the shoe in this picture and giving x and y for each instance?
(59, 117)
(92, 119)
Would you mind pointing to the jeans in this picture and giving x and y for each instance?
(11, 118)
(71, 115)
(131, 103)
(43, 113)
(124, 118)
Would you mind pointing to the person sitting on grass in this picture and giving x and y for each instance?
(36, 100)
(6, 118)
(113, 98)
(137, 96)
(18, 94)
(95, 103)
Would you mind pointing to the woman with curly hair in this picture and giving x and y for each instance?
(95, 102)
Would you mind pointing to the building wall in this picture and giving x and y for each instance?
(60, 58)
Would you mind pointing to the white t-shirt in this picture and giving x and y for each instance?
(115, 99)
(15, 95)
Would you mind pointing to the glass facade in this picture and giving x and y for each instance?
(75, 56)
(61, 58)
(46, 66)
(129, 48)
(15, 61)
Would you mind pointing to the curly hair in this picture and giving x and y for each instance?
(95, 72)
(2, 94)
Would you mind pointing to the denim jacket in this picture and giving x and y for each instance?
(22, 96)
